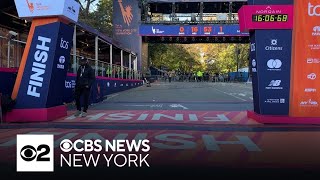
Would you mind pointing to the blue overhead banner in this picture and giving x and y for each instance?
(190, 30)
(273, 67)
(42, 83)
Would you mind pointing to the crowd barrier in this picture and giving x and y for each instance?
(102, 87)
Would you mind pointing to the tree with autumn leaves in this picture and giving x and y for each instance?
(213, 58)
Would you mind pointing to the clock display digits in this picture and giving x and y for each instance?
(279, 18)
(270, 18)
(284, 18)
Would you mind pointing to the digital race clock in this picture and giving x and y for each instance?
(270, 17)
(253, 17)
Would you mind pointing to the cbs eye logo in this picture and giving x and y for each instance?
(35, 153)
(29, 153)
(66, 145)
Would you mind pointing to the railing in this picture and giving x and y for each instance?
(104, 69)
(207, 18)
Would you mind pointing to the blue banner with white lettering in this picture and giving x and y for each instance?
(43, 83)
(273, 61)
(190, 30)
(100, 89)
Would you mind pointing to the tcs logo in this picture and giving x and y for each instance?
(64, 44)
(313, 10)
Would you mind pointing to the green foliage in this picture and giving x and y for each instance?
(221, 58)
(172, 56)
(98, 14)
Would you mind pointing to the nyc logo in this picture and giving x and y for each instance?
(30, 6)
(126, 13)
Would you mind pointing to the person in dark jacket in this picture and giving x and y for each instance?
(84, 82)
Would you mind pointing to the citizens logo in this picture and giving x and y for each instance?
(273, 46)
(35, 153)
(274, 65)
(312, 76)
(274, 84)
(313, 10)
(274, 42)
(316, 31)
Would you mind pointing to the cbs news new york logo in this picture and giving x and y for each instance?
(35, 153)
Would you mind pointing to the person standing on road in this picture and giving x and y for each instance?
(84, 81)
(170, 76)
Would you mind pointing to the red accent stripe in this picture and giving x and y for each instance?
(9, 70)
(281, 119)
(36, 115)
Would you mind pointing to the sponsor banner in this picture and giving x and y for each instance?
(126, 24)
(100, 89)
(46, 67)
(254, 73)
(189, 30)
(46, 8)
(273, 59)
(306, 73)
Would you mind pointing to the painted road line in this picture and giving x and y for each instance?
(230, 94)
(178, 106)
(145, 105)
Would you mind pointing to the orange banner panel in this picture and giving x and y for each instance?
(305, 77)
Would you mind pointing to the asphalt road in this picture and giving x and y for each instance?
(204, 96)
(195, 130)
